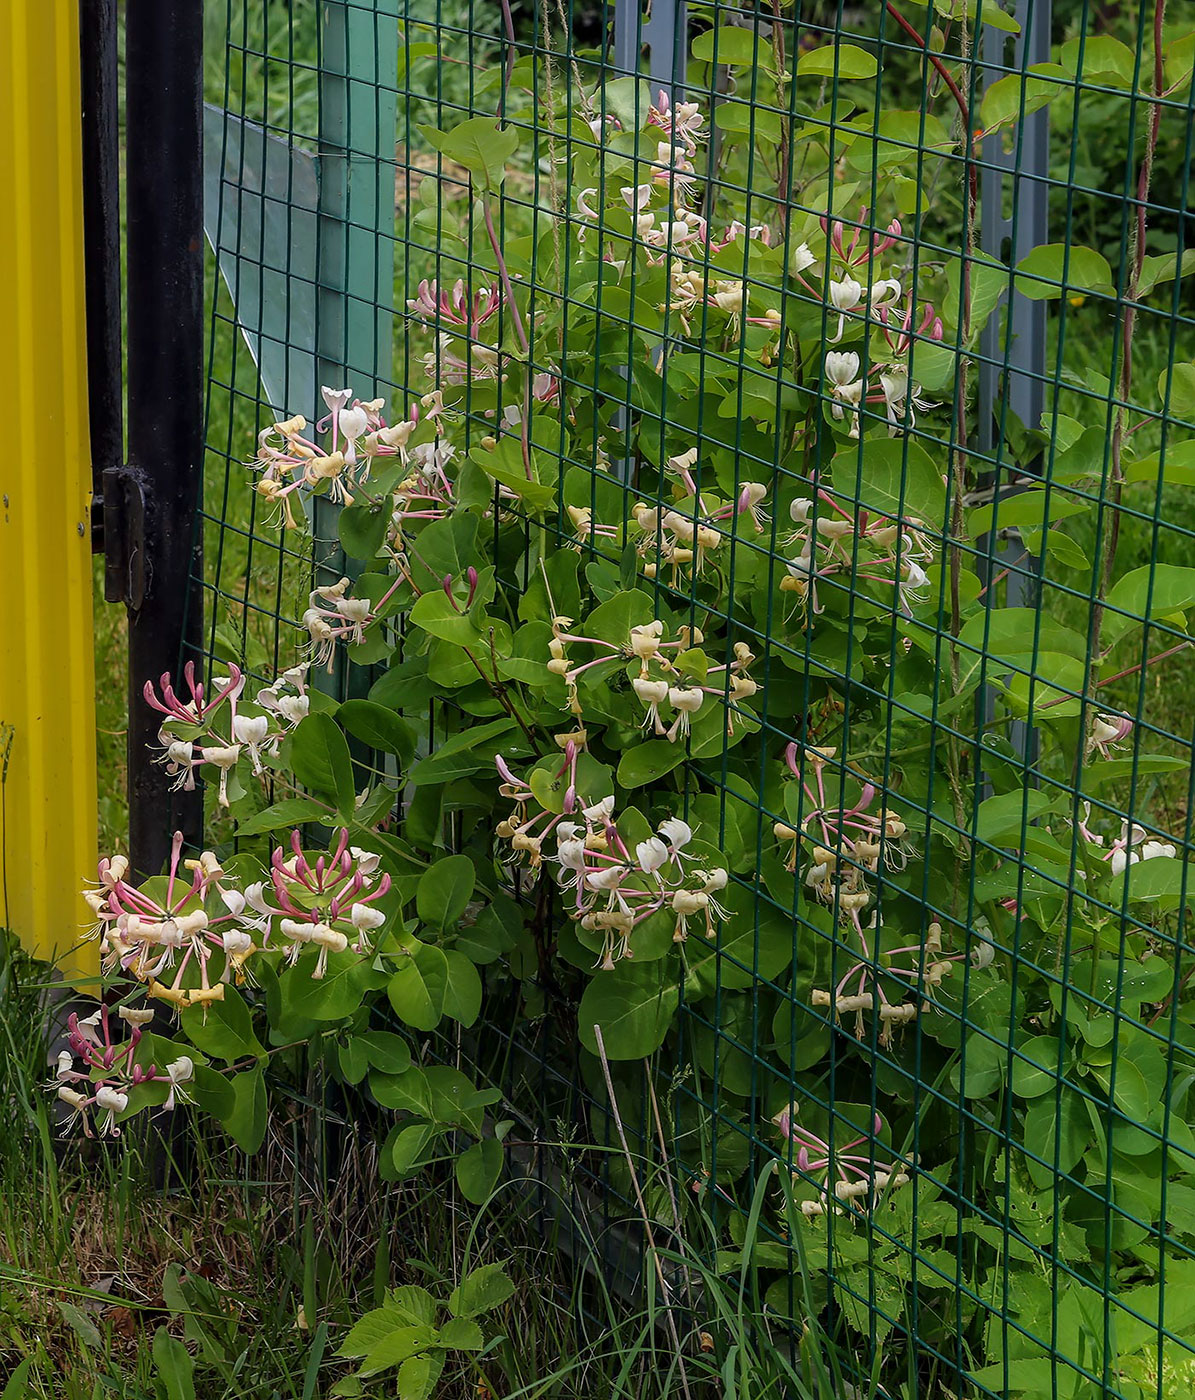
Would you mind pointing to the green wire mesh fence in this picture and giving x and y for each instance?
(899, 291)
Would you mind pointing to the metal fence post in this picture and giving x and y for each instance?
(354, 333)
(157, 519)
(1027, 166)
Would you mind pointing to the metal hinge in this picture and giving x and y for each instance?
(124, 503)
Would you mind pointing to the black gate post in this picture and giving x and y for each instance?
(156, 513)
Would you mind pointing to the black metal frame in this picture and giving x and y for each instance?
(145, 516)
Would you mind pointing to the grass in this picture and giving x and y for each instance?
(261, 1266)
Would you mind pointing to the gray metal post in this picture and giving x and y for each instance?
(354, 330)
(662, 32)
(1022, 173)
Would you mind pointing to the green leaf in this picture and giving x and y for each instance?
(1053, 269)
(396, 1346)
(17, 1387)
(1035, 1066)
(285, 816)
(1153, 589)
(462, 994)
(471, 751)
(731, 44)
(412, 1147)
(444, 891)
(386, 1051)
(1105, 60)
(1009, 99)
(417, 1376)
(174, 1366)
(437, 615)
(369, 1330)
(1159, 268)
(320, 759)
(478, 1170)
(647, 763)
(481, 1291)
(504, 464)
(417, 989)
(845, 61)
(224, 1029)
(379, 727)
(246, 1124)
(1001, 820)
(332, 997)
(892, 476)
(1181, 379)
(362, 529)
(634, 1005)
(461, 1334)
(480, 145)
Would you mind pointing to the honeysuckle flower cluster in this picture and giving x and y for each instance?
(217, 725)
(98, 1075)
(916, 968)
(185, 938)
(847, 1180)
(685, 538)
(1132, 846)
(667, 692)
(359, 439)
(333, 616)
(612, 885)
(832, 540)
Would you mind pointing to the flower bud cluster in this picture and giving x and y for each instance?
(831, 540)
(185, 944)
(612, 886)
(98, 1077)
(847, 1180)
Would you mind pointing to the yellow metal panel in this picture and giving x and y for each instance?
(47, 680)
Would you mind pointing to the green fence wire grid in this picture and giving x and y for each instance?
(918, 274)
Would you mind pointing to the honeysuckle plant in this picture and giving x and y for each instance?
(667, 579)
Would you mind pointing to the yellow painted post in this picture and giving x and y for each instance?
(47, 680)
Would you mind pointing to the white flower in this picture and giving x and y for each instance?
(570, 852)
(652, 694)
(844, 296)
(181, 1071)
(353, 422)
(983, 954)
(112, 1101)
(645, 640)
(293, 708)
(367, 861)
(237, 942)
(364, 917)
(677, 833)
(225, 758)
(636, 197)
(1152, 850)
(135, 1016)
(252, 731)
(685, 701)
(601, 812)
(842, 366)
(608, 879)
(801, 259)
(234, 901)
(651, 855)
(88, 1027)
(335, 399)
